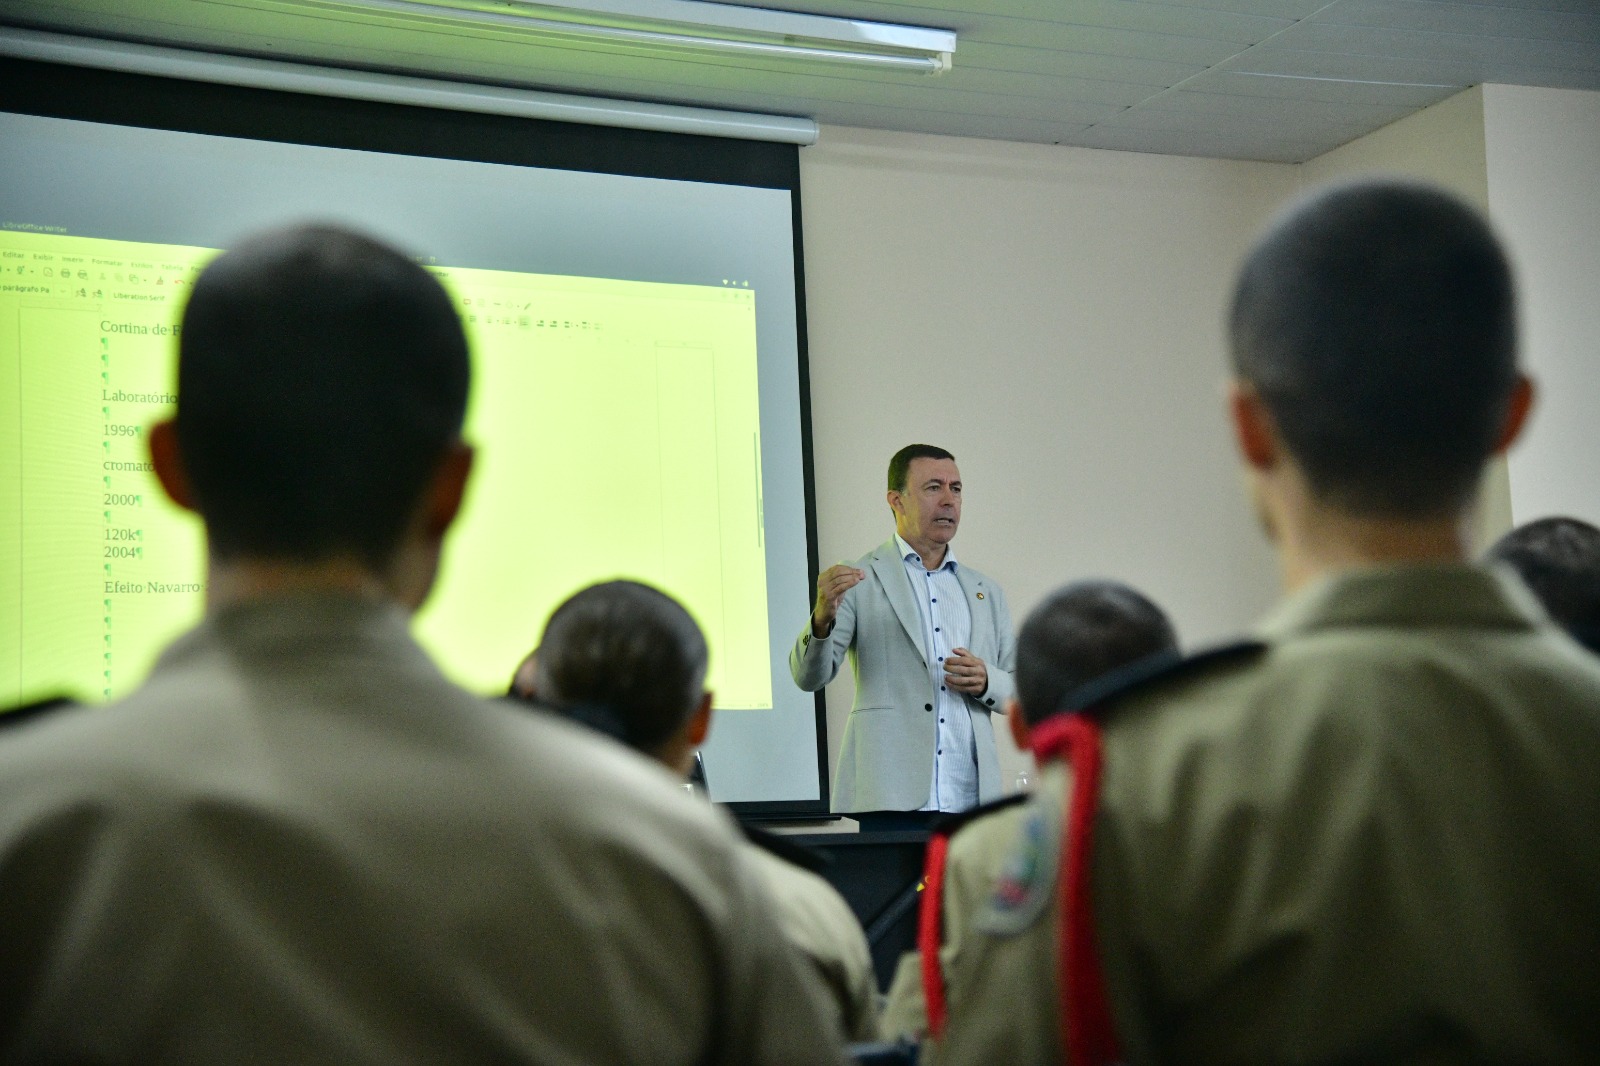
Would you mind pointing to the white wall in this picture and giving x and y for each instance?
(1053, 317)
(1543, 155)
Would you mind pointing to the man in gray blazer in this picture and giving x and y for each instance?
(931, 647)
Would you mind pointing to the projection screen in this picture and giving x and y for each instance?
(639, 397)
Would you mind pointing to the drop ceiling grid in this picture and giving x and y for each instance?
(1396, 55)
(1266, 79)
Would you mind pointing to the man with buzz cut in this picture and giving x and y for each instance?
(298, 842)
(1558, 558)
(931, 647)
(628, 660)
(1368, 833)
(1085, 633)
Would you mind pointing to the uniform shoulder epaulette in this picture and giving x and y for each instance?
(1161, 668)
(946, 824)
(813, 859)
(1073, 733)
(28, 712)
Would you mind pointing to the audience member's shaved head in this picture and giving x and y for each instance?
(1082, 632)
(322, 376)
(1559, 559)
(628, 649)
(1377, 322)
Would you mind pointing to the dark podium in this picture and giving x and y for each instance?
(878, 871)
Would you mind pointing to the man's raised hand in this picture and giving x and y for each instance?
(832, 584)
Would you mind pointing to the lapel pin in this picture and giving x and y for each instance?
(980, 595)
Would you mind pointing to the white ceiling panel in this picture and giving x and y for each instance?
(1408, 97)
(1267, 147)
(1316, 114)
(1238, 79)
(1137, 70)
(1474, 19)
(1409, 70)
(1402, 45)
(1232, 125)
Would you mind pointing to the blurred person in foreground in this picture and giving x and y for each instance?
(1089, 632)
(1368, 833)
(298, 842)
(628, 660)
(1558, 558)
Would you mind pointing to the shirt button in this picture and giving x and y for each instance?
(943, 689)
(936, 629)
(941, 720)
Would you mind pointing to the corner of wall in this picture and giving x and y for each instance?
(1543, 152)
(1443, 143)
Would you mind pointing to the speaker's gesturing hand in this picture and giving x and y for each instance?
(832, 584)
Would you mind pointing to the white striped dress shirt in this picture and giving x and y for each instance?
(946, 624)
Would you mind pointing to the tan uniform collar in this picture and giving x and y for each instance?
(1443, 594)
(303, 624)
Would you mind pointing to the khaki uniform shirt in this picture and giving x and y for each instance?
(818, 922)
(1008, 855)
(299, 843)
(1376, 841)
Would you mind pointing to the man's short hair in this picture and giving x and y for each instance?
(321, 378)
(628, 649)
(1558, 558)
(900, 463)
(1080, 633)
(1377, 322)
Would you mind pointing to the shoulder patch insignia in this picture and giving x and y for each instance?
(1026, 882)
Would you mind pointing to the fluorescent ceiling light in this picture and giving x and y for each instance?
(397, 88)
(695, 26)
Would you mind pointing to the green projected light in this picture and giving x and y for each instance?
(617, 427)
(97, 570)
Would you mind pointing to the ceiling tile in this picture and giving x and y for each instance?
(1267, 79)
(1150, 118)
(1406, 70)
(1480, 20)
(1503, 52)
(1016, 83)
(1329, 90)
(1281, 109)
(1135, 71)
(1270, 148)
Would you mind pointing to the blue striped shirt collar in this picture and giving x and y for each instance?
(908, 553)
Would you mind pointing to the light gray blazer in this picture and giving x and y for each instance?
(886, 763)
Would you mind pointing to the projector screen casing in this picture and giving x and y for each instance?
(139, 101)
